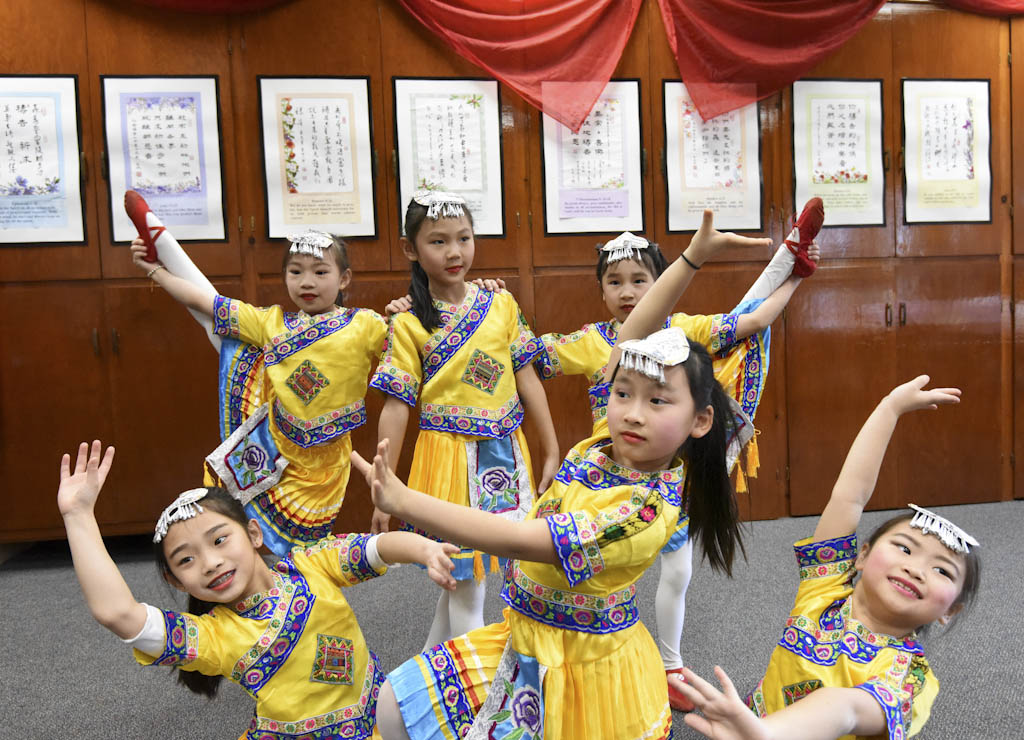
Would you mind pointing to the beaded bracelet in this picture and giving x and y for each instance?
(161, 267)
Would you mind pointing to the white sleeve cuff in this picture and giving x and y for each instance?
(152, 638)
(373, 557)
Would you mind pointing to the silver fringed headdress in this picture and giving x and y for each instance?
(650, 356)
(310, 242)
(440, 204)
(625, 246)
(184, 507)
(951, 535)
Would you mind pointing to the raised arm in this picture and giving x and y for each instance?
(106, 594)
(859, 474)
(527, 540)
(825, 714)
(184, 292)
(660, 300)
(536, 401)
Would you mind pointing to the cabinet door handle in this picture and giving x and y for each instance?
(885, 161)
(903, 314)
(96, 342)
(115, 341)
(888, 314)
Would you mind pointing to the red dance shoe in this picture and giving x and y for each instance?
(676, 700)
(136, 207)
(804, 231)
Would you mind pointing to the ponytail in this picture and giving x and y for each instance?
(422, 302)
(708, 491)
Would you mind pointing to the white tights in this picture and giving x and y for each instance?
(772, 276)
(670, 602)
(389, 716)
(457, 612)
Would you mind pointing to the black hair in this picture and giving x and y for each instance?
(972, 570)
(219, 500)
(419, 287)
(338, 250)
(708, 493)
(651, 258)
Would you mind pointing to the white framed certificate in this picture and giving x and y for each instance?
(947, 144)
(318, 155)
(712, 164)
(448, 133)
(163, 141)
(837, 149)
(593, 180)
(40, 177)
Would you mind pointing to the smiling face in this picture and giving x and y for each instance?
(313, 283)
(215, 558)
(445, 249)
(649, 421)
(623, 285)
(907, 580)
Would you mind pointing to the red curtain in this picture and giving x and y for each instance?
(988, 7)
(733, 52)
(557, 54)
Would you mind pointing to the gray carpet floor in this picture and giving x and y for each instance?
(62, 675)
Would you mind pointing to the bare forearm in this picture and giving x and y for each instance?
(394, 418)
(106, 594)
(528, 540)
(186, 293)
(400, 547)
(827, 714)
(658, 302)
(764, 315)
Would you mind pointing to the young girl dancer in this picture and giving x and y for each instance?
(570, 659)
(291, 388)
(284, 634)
(739, 344)
(849, 662)
(465, 355)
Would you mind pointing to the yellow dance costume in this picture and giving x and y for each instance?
(312, 372)
(740, 366)
(823, 645)
(470, 449)
(571, 660)
(296, 649)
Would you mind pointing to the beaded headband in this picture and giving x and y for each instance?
(184, 507)
(650, 356)
(951, 535)
(310, 242)
(625, 246)
(440, 204)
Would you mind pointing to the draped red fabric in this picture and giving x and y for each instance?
(988, 7)
(557, 54)
(212, 6)
(733, 52)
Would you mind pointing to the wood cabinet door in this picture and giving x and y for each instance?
(932, 42)
(54, 393)
(1018, 376)
(841, 348)
(1017, 147)
(31, 45)
(164, 398)
(948, 313)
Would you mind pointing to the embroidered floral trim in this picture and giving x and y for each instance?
(240, 373)
(256, 606)
(353, 722)
(753, 375)
(575, 538)
(568, 609)
(597, 471)
(225, 317)
(284, 627)
(306, 381)
(548, 507)
(454, 702)
(471, 420)
(827, 557)
(483, 372)
(598, 396)
(324, 428)
(525, 347)
(266, 506)
(449, 339)
(352, 558)
(182, 640)
(310, 329)
(892, 703)
(723, 332)
(396, 382)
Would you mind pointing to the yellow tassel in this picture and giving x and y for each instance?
(741, 481)
(478, 567)
(753, 459)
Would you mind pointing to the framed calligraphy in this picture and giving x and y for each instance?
(163, 140)
(947, 171)
(318, 155)
(837, 149)
(40, 180)
(448, 134)
(593, 182)
(711, 164)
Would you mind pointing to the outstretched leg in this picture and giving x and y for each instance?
(791, 254)
(670, 612)
(441, 627)
(466, 606)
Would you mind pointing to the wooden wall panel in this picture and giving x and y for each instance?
(130, 39)
(1018, 378)
(28, 46)
(931, 42)
(1017, 145)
